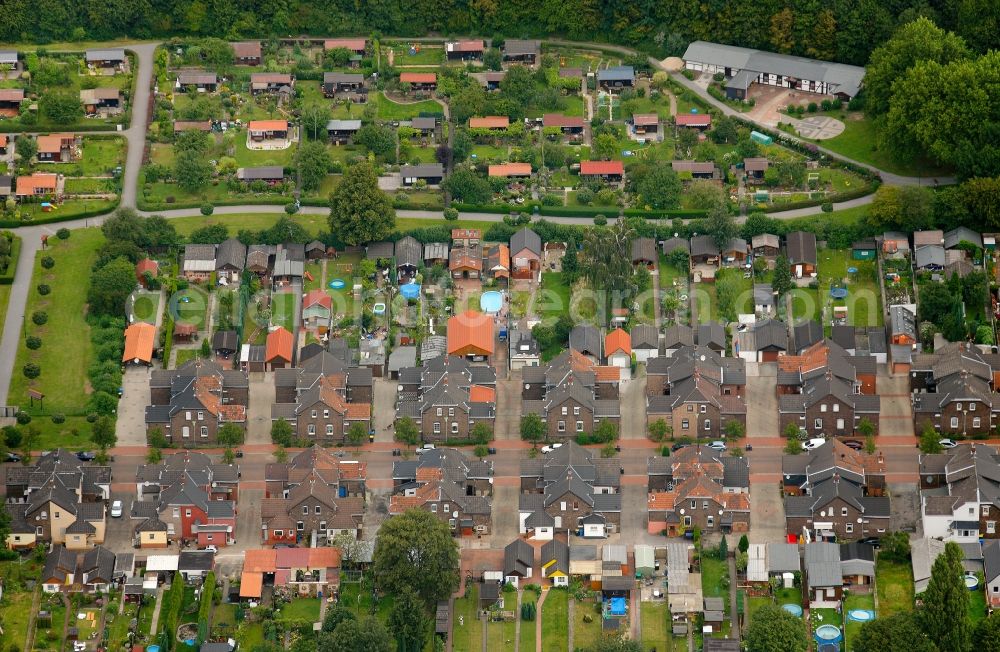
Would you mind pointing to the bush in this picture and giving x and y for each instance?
(39, 317)
(23, 418)
(719, 77)
(826, 207)
(92, 417)
(207, 209)
(451, 214)
(585, 196)
(43, 289)
(58, 418)
(48, 262)
(291, 208)
(63, 234)
(552, 200)
(812, 107)
(600, 220)
(826, 105)
(33, 342)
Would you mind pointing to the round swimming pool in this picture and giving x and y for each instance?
(861, 615)
(971, 582)
(379, 309)
(793, 609)
(491, 301)
(337, 284)
(827, 633)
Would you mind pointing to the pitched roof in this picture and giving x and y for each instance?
(279, 345)
(510, 170)
(489, 122)
(644, 250)
(139, 339)
(525, 238)
(246, 49)
(231, 253)
(418, 78)
(585, 339)
(693, 119)
(617, 340)
(801, 247)
(470, 333)
(562, 121)
(347, 43)
(268, 125)
(602, 168)
(644, 336)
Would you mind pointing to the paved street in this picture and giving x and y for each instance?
(259, 410)
(131, 426)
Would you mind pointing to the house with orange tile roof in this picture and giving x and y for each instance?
(307, 571)
(355, 45)
(261, 130)
(56, 148)
(139, 340)
(618, 349)
(572, 394)
(39, 184)
(718, 484)
(696, 391)
(322, 413)
(608, 171)
(464, 50)
(278, 349)
(419, 81)
(466, 262)
(270, 82)
(510, 170)
(317, 307)
(491, 122)
(471, 335)
(447, 396)
(188, 405)
(346, 477)
(143, 266)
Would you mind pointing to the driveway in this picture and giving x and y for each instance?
(896, 414)
(131, 426)
(505, 514)
(385, 398)
(762, 404)
(508, 420)
(767, 513)
(633, 407)
(259, 410)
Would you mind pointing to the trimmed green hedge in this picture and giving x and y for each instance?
(833, 199)
(7, 278)
(11, 224)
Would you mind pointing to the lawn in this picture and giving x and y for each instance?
(859, 142)
(864, 302)
(360, 601)
(744, 299)
(423, 54)
(4, 300)
(146, 306)
(501, 635)
(254, 157)
(301, 609)
(555, 620)
(184, 356)
(389, 110)
(16, 609)
(48, 638)
(553, 299)
(788, 596)
(467, 629)
(65, 351)
(894, 582)
(705, 298)
(67, 209)
(755, 603)
(283, 307)
(190, 306)
(118, 623)
(712, 571)
(527, 640)
(100, 156)
(856, 601)
(224, 619)
(806, 304)
(977, 605)
(250, 635)
(90, 186)
(655, 626)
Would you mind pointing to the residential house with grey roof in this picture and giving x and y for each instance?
(824, 580)
(762, 341)
(696, 391)
(712, 335)
(960, 493)
(525, 253)
(644, 252)
(991, 564)
(518, 561)
(569, 488)
(835, 492)
(805, 334)
(572, 394)
(671, 244)
(409, 257)
(198, 262)
(675, 337)
(783, 558)
(857, 566)
(645, 342)
(230, 259)
(521, 51)
(429, 173)
(953, 390)
(765, 245)
(446, 396)
(586, 340)
(953, 239)
(704, 251)
(800, 247)
(444, 482)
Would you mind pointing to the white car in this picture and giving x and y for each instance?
(549, 449)
(948, 443)
(718, 445)
(211, 549)
(813, 443)
(425, 448)
(116, 509)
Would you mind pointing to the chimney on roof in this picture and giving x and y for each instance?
(880, 458)
(836, 478)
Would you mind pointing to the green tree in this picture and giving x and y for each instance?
(416, 550)
(407, 431)
(378, 139)
(930, 440)
(781, 282)
(229, 434)
(492, 59)
(660, 188)
(616, 643)
(725, 130)
(282, 433)
(899, 632)
(466, 186)
(368, 635)
(728, 289)
(313, 164)
(359, 211)
(192, 170)
(944, 616)
(981, 197)
(26, 147)
(744, 544)
(110, 287)
(920, 40)
(895, 546)
(865, 427)
(533, 428)
(356, 433)
(336, 615)
(658, 430)
(723, 548)
(62, 107)
(897, 207)
(706, 195)
(986, 638)
(773, 629)
(605, 432)
(604, 148)
(721, 226)
(408, 621)
(466, 102)
(735, 429)
(481, 433)
(103, 433)
(314, 120)
(518, 86)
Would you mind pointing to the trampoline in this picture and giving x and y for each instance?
(337, 284)
(379, 309)
(491, 301)
(827, 634)
(861, 615)
(409, 290)
(617, 606)
(838, 293)
(971, 582)
(793, 609)
(852, 270)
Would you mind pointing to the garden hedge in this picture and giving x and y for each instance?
(7, 278)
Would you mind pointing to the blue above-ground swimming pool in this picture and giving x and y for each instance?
(409, 290)
(793, 609)
(617, 606)
(861, 615)
(491, 301)
(337, 284)
(971, 582)
(827, 634)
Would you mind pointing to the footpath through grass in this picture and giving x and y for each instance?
(65, 351)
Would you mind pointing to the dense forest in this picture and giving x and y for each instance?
(841, 30)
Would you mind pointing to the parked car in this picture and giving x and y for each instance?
(85, 456)
(13, 457)
(813, 443)
(396, 452)
(491, 451)
(854, 444)
(872, 541)
(948, 443)
(676, 447)
(425, 448)
(116, 509)
(550, 448)
(718, 445)
(211, 549)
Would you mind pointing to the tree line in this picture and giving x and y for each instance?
(842, 30)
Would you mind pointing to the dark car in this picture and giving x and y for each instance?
(854, 444)
(396, 452)
(677, 447)
(872, 541)
(491, 451)
(85, 456)
(13, 457)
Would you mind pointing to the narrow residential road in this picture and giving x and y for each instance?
(136, 133)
